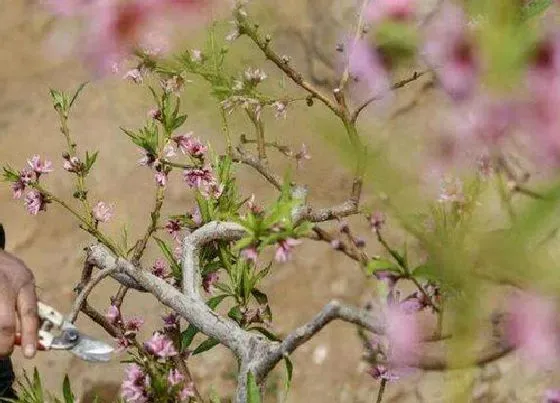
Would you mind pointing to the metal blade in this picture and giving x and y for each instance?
(89, 349)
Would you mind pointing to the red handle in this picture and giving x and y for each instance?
(40, 346)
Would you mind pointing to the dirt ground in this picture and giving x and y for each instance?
(328, 369)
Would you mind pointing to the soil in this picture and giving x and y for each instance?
(327, 369)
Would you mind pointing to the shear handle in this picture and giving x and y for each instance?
(43, 344)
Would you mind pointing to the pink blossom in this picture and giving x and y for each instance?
(173, 228)
(198, 177)
(178, 250)
(148, 159)
(175, 377)
(189, 145)
(187, 392)
(250, 253)
(170, 321)
(284, 249)
(159, 268)
(209, 280)
(380, 371)
(173, 85)
(103, 212)
(132, 326)
(34, 202)
(253, 207)
(168, 150)
(113, 314)
(543, 81)
(552, 396)
(122, 344)
(115, 28)
(376, 220)
(133, 388)
(71, 164)
(280, 109)
(154, 113)
(394, 10)
(403, 333)
(336, 244)
(532, 328)
(161, 346)
(197, 216)
(38, 166)
(134, 75)
(17, 188)
(161, 178)
(302, 155)
(365, 64)
(450, 51)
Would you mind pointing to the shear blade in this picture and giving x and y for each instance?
(92, 350)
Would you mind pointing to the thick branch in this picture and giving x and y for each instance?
(190, 307)
(225, 231)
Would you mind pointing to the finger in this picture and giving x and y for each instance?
(27, 312)
(7, 319)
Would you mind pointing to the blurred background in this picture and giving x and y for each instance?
(329, 368)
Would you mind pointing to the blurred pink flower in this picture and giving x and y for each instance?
(159, 268)
(209, 280)
(250, 253)
(170, 321)
(302, 155)
(134, 75)
(552, 396)
(38, 166)
(543, 82)
(17, 189)
(133, 388)
(189, 145)
(451, 190)
(161, 178)
(365, 65)
(113, 314)
(34, 202)
(175, 377)
(284, 249)
(197, 216)
(71, 164)
(132, 326)
(450, 51)
(103, 212)
(160, 345)
(173, 228)
(376, 220)
(394, 10)
(533, 329)
(187, 392)
(403, 333)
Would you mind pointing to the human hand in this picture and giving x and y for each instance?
(18, 305)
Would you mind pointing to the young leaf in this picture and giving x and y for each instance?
(269, 335)
(261, 297)
(253, 392)
(375, 265)
(205, 346)
(76, 94)
(67, 390)
(289, 375)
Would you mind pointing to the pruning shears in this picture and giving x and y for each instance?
(69, 338)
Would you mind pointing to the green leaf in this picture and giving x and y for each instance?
(67, 390)
(261, 297)
(535, 8)
(187, 337)
(426, 271)
(179, 121)
(37, 386)
(59, 99)
(169, 256)
(205, 346)
(375, 265)
(253, 392)
(269, 335)
(289, 375)
(215, 301)
(76, 94)
(235, 314)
